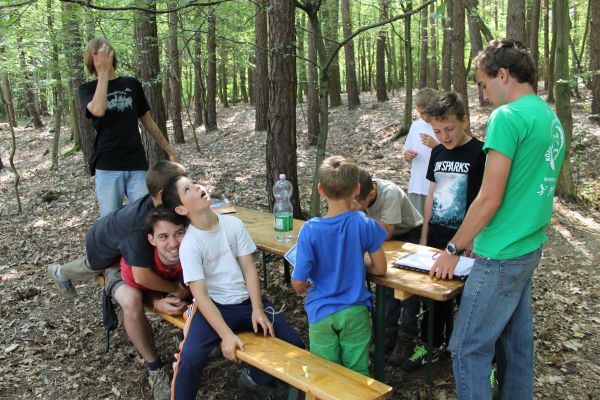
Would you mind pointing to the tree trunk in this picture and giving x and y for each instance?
(408, 66)
(12, 115)
(515, 20)
(224, 84)
(351, 82)
(423, 62)
(11, 157)
(551, 69)
(546, 43)
(595, 57)
(28, 88)
(251, 74)
(39, 100)
(210, 122)
(175, 77)
(433, 77)
(243, 84)
(281, 123)
(534, 28)
(300, 61)
(447, 48)
(475, 37)
(146, 40)
(312, 99)
(57, 97)
(565, 187)
(198, 84)
(261, 77)
(380, 62)
(330, 24)
(459, 76)
(235, 95)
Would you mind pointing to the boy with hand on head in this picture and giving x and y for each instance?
(417, 148)
(386, 203)
(330, 267)
(455, 171)
(216, 257)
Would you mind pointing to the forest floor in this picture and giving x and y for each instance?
(51, 348)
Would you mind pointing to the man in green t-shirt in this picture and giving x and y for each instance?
(525, 148)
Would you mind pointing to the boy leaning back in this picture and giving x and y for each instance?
(216, 257)
(330, 266)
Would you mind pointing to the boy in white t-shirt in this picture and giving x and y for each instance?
(417, 149)
(216, 258)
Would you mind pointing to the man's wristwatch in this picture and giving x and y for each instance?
(451, 249)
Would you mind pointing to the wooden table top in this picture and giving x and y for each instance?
(260, 226)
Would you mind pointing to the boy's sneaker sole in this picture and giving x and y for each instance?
(65, 286)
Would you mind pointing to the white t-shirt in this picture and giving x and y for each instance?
(418, 182)
(212, 256)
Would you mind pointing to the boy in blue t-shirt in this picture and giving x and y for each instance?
(330, 267)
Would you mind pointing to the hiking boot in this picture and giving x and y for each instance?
(272, 390)
(160, 384)
(65, 286)
(494, 383)
(402, 350)
(419, 358)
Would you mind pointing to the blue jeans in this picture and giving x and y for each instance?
(112, 186)
(495, 317)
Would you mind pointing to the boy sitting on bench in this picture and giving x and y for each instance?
(216, 257)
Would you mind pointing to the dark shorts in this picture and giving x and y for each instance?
(112, 280)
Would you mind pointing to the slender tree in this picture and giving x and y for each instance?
(57, 95)
(447, 47)
(534, 28)
(515, 20)
(198, 81)
(243, 84)
(380, 63)
(459, 76)
(351, 81)
(7, 91)
(433, 76)
(175, 76)
(474, 35)
(408, 65)
(281, 124)
(313, 86)
(261, 76)
(566, 187)
(223, 75)
(28, 87)
(423, 62)
(552, 56)
(595, 57)
(146, 39)
(210, 122)
(330, 25)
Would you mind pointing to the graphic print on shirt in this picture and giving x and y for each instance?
(548, 186)
(120, 100)
(449, 198)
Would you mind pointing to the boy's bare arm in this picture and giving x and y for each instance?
(253, 285)
(230, 342)
(300, 286)
(157, 135)
(378, 264)
(103, 63)
(427, 211)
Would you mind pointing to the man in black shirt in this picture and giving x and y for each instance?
(114, 104)
(121, 234)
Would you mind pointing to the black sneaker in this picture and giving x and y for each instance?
(419, 358)
(272, 390)
(402, 350)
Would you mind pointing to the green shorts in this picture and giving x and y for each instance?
(343, 337)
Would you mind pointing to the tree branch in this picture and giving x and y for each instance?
(24, 3)
(88, 4)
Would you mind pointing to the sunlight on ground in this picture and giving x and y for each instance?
(578, 245)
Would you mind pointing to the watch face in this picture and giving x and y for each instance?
(451, 248)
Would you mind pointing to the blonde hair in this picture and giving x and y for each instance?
(338, 177)
(92, 48)
(425, 96)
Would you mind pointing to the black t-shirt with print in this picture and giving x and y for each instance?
(121, 233)
(118, 146)
(457, 174)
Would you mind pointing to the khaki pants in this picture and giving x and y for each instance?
(78, 270)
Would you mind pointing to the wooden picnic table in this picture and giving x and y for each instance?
(405, 283)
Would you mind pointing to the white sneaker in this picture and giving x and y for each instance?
(65, 286)
(160, 383)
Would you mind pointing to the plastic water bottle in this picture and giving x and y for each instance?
(283, 212)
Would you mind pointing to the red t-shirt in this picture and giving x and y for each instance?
(172, 274)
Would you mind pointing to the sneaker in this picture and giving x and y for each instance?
(494, 383)
(402, 350)
(65, 286)
(273, 390)
(419, 358)
(160, 384)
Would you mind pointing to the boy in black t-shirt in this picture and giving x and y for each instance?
(114, 104)
(455, 173)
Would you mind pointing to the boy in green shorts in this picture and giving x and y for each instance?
(330, 267)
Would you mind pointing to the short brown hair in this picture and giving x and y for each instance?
(366, 183)
(159, 175)
(425, 96)
(509, 54)
(161, 213)
(449, 103)
(338, 177)
(92, 48)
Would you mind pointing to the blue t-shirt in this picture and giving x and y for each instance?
(331, 254)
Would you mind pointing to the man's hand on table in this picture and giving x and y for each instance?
(444, 265)
(169, 305)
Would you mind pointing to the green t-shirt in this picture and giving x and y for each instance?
(529, 133)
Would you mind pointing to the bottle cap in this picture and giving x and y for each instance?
(281, 176)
